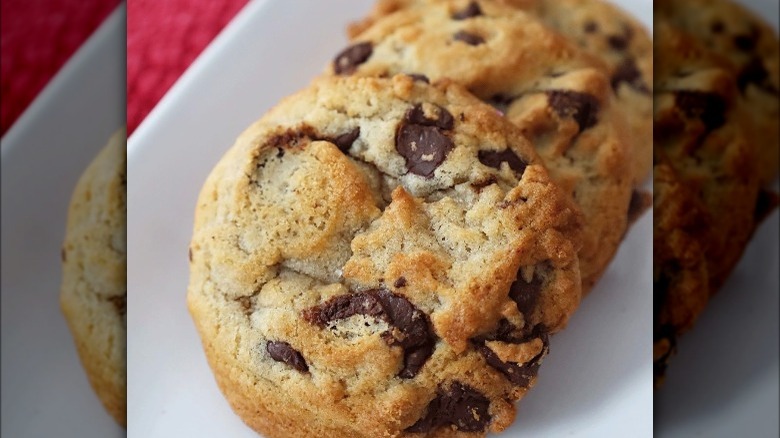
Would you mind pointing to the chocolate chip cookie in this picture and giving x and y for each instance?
(93, 292)
(681, 233)
(599, 27)
(380, 257)
(560, 96)
(706, 183)
(700, 125)
(752, 46)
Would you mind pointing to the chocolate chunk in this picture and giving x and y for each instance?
(717, 26)
(301, 136)
(504, 332)
(443, 120)
(468, 38)
(291, 139)
(590, 27)
(745, 43)
(423, 147)
(519, 374)
(416, 336)
(349, 59)
(64, 255)
(419, 77)
(708, 107)
(283, 352)
(401, 282)
(344, 141)
(472, 10)
(629, 73)
(617, 42)
(495, 158)
(525, 294)
(458, 405)
(119, 302)
(190, 253)
(344, 306)
(755, 73)
(582, 107)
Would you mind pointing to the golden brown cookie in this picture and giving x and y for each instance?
(753, 48)
(93, 293)
(380, 257)
(560, 96)
(597, 26)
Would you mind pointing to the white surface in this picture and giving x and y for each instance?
(45, 392)
(724, 381)
(596, 382)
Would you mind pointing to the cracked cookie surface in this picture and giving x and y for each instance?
(381, 257)
(559, 96)
(597, 26)
(93, 291)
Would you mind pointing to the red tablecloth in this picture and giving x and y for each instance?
(163, 38)
(36, 38)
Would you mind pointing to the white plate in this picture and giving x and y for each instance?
(724, 380)
(596, 382)
(45, 392)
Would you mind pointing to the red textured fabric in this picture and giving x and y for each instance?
(36, 38)
(163, 38)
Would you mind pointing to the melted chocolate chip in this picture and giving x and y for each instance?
(745, 43)
(401, 282)
(344, 141)
(495, 158)
(629, 73)
(283, 352)
(419, 77)
(458, 405)
(519, 374)
(708, 107)
(64, 254)
(468, 38)
(349, 59)
(292, 139)
(582, 107)
(617, 42)
(472, 10)
(755, 73)
(189, 251)
(525, 294)
(119, 302)
(717, 27)
(416, 336)
(417, 116)
(423, 147)
(297, 138)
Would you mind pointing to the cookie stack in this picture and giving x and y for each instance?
(387, 252)
(716, 148)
